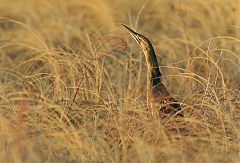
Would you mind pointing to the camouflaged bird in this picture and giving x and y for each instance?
(159, 93)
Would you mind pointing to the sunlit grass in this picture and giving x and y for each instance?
(73, 83)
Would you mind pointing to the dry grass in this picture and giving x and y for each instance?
(73, 83)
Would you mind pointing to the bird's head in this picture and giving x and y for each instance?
(142, 41)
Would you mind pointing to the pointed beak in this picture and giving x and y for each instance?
(132, 32)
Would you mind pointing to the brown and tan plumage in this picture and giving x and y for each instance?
(159, 93)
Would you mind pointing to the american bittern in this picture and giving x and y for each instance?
(158, 92)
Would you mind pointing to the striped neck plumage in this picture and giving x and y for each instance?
(150, 56)
(153, 66)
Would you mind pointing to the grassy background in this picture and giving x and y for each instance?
(73, 82)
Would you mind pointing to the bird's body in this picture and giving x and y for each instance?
(159, 93)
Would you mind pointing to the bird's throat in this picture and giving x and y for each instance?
(153, 68)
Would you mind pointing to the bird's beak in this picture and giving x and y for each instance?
(132, 32)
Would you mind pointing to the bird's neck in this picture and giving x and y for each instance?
(153, 68)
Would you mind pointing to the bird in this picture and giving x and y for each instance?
(159, 94)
